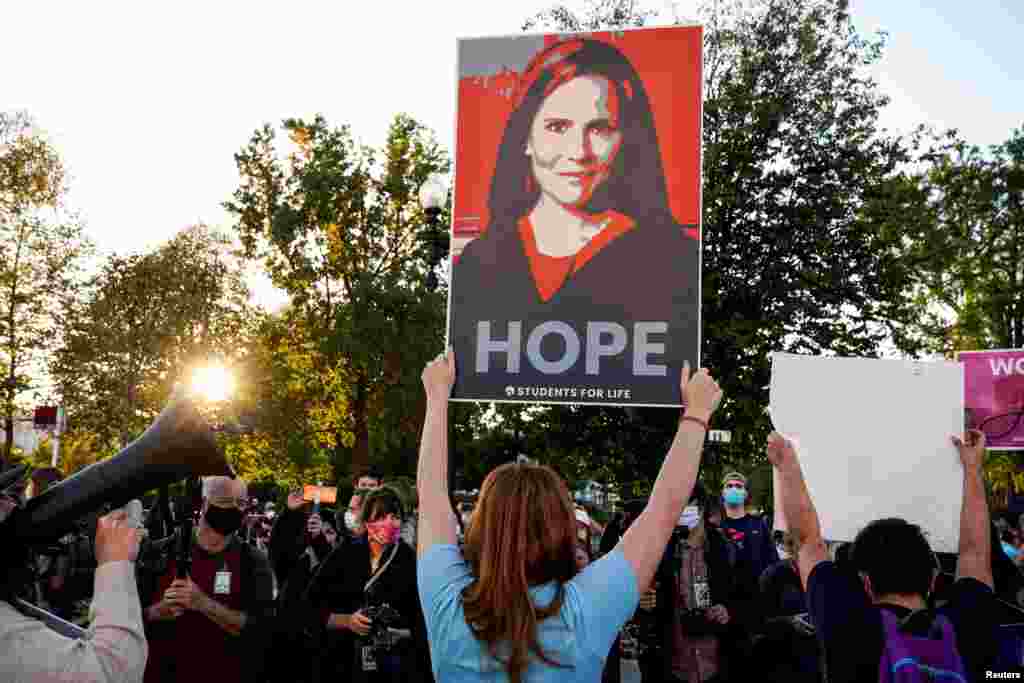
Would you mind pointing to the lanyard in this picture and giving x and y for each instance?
(380, 569)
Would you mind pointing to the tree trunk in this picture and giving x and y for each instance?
(8, 435)
(360, 428)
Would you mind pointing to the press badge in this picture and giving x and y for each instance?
(701, 595)
(369, 661)
(222, 583)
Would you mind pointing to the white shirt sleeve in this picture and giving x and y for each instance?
(113, 651)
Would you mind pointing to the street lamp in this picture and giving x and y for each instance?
(433, 195)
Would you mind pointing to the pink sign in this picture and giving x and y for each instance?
(994, 396)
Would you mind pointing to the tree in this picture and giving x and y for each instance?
(148, 320)
(963, 226)
(793, 154)
(42, 250)
(335, 226)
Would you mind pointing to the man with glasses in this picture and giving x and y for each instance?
(210, 625)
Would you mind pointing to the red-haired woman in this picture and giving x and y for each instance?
(511, 605)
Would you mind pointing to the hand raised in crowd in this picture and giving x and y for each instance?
(359, 623)
(649, 600)
(295, 500)
(315, 525)
(701, 392)
(439, 376)
(718, 614)
(780, 451)
(184, 593)
(116, 540)
(971, 447)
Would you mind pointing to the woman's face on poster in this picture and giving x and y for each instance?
(574, 139)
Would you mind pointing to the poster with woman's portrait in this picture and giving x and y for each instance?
(576, 219)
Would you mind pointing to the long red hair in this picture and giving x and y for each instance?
(522, 534)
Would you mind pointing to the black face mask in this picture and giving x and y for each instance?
(225, 521)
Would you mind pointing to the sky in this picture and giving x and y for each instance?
(147, 103)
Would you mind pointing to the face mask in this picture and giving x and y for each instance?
(383, 532)
(225, 521)
(783, 555)
(690, 517)
(351, 521)
(735, 496)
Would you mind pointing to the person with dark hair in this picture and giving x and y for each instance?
(359, 578)
(510, 606)
(692, 607)
(580, 231)
(299, 544)
(884, 608)
(368, 479)
(785, 647)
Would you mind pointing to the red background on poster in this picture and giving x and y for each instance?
(669, 61)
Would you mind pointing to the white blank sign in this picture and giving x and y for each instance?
(874, 440)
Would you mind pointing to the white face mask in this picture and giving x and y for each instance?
(351, 521)
(783, 555)
(690, 517)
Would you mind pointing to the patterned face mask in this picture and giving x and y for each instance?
(383, 531)
(690, 517)
(351, 521)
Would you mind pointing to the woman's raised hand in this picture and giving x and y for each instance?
(439, 376)
(701, 393)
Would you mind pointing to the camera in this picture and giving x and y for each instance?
(383, 617)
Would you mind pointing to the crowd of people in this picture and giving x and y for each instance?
(686, 585)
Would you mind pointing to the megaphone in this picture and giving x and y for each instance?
(178, 444)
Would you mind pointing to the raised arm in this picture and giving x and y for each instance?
(116, 649)
(801, 516)
(975, 539)
(437, 523)
(644, 542)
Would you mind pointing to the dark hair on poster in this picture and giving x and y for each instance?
(636, 182)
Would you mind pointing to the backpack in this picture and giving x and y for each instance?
(910, 658)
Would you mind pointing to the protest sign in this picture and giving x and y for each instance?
(576, 218)
(327, 495)
(994, 396)
(874, 440)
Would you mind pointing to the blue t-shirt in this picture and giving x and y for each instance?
(598, 601)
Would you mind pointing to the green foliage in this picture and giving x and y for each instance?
(42, 250)
(963, 220)
(791, 261)
(146, 322)
(1003, 476)
(336, 225)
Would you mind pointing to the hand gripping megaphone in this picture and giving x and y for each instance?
(179, 444)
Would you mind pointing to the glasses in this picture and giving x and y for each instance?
(1001, 426)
